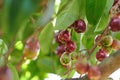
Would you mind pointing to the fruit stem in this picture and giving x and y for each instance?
(11, 48)
(105, 32)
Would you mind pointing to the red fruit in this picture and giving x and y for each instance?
(94, 73)
(97, 38)
(81, 67)
(60, 50)
(115, 1)
(101, 54)
(64, 36)
(115, 24)
(32, 48)
(71, 26)
(70, 46)
(80, 26)
(5, 73)
(116, 44)
(56, 38)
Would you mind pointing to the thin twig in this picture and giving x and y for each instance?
(95, 45)
(11, 48)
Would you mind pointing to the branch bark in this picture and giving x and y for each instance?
(107, 67)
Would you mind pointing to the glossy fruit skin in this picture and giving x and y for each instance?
(32, 48)
(81, 67)
(5, 73)
(94, 73)
(70, 46)
(115, 44)
(101, 54)
(80, 26)
(115, 1)
(64, 36)
(115, 24)
(60, 50)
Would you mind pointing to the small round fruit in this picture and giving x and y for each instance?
(74, 56)
(60, 50)
(107, 49)
(101, 54)
(81, 67)
(115, 44)
(97, 38)
(65, 59)
(106, 40)
(64, 36)
(70, 46)
(80, 26)
(5, 73)
(94, 73)
(32, 48)
(56, 37)
(115, 24)
(115, 1)
(71, 26)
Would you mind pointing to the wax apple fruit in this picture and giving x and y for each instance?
(81, 67)
(115, 24)
(65, 59)
(101, 54)
(80, 26)
(60, 50)
(115, 44)
(70, 46)
(32, 48)
(64, 36)
(94, 73)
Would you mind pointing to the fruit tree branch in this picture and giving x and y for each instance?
(107, 67)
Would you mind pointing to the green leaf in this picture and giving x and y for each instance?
(88, 37)
(94, 10)
(76, 39)
(82, 7)
(14, 72)
(68, 15)
(102, 23)
(47, 15)
(45, 38)
(3, 48)
(15, 12)
(105, 17)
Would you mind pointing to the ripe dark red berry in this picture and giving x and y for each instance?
(101, 54)
(64, 36)
(94, 73)
(70, 46)
(60, 50)
(81, 67)
(32, 48)
(5, 73)
(115, 1)
(80, 26)
(115, 24)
